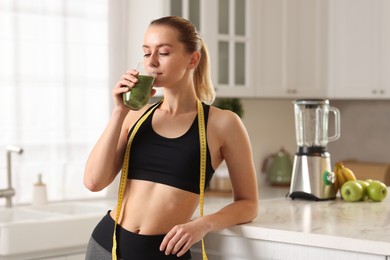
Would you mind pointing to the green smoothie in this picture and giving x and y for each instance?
(138, 96)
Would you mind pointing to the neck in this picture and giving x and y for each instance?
(177, 104)
(180, 97)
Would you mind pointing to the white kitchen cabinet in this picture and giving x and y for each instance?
(286, 48)
(302, 229)
(76, 257)
(61, 254)
(220, 247)
(227, 27)
(331, 48)
(232, 48)
(68, 257)
(291, 48)
(359, 38)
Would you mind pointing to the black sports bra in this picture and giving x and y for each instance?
(170, 161)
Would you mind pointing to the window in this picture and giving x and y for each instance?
(54, 91)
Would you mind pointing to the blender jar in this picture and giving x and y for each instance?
(311, 122)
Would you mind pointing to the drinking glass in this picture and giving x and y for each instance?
(137, 97)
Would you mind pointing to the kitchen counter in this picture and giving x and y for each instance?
(360, 227)
(284, 229)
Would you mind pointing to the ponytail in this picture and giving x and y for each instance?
(202, 78)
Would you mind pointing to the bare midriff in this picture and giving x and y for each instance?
(153, 209)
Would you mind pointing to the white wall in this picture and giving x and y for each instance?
(270, 124)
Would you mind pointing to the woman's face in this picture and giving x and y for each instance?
(164, 54)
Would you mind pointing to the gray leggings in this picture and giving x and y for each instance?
(97, 252)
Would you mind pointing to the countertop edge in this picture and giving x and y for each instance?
(308, 239)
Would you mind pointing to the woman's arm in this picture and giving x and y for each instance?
(105, 160)
(235, 148)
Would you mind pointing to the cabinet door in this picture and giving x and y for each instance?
(187, 9)
(292, 48)
(225, 27)
(384, 39)
(224, 247)
(68, 257)
(359, 40)
(232, 65)
(76, 257)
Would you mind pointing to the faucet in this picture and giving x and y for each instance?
(9, 192)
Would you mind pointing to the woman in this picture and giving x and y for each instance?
(162, 189)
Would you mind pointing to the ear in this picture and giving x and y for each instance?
(195, 57)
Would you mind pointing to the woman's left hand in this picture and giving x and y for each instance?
(181, 237)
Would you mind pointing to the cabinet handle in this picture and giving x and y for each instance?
(291, 91)
(380, 92)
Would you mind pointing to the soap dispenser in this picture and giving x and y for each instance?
(39, 193)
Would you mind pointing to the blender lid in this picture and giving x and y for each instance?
(311, 102)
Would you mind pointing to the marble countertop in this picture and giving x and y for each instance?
(335, 224)
(359, 227)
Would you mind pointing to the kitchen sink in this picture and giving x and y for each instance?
(55, 226)
(16, 215)
(71, 208)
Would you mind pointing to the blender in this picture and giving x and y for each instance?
(312, 176)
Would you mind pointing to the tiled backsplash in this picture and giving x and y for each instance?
(365, 131)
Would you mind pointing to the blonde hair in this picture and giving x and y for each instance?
(188, 35)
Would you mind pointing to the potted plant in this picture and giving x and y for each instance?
(232, 104)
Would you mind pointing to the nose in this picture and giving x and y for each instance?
(153, 60)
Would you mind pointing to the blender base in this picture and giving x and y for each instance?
(306, 196)
(312, 178)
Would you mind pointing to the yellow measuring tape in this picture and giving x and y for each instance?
(202, 141)
(125, 167)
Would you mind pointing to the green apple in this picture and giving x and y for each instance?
(352, 191)
(377, 191)
(364, 185)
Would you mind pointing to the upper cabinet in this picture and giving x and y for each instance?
(228, 32)
(359, 38)
(291, 48)
(324, 48)
(287, 48)
(234, 71)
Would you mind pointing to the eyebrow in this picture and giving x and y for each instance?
(159, 46)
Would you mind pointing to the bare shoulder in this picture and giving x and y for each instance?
(224, 120)
(226, 128)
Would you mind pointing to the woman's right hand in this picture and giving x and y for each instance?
(126, 82)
